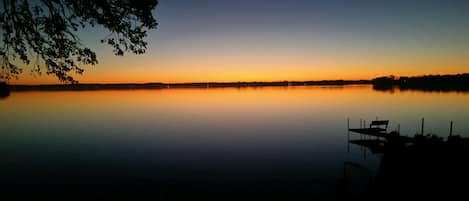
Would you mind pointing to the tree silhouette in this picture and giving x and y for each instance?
(45, 31)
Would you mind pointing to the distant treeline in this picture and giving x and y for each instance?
(56, 87)
(457, 82)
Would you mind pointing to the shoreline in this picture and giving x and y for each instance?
(78, 87)
(443, 83)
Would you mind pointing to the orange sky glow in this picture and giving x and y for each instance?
(212, 42)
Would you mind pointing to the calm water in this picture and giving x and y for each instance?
(255, 139)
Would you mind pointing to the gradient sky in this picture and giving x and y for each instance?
(271, 40)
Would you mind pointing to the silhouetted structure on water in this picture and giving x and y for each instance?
(423, 166)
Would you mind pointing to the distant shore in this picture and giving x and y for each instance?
(455, 82)
(441, 83)
(61, 87)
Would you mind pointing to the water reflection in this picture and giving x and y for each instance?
(288, 142)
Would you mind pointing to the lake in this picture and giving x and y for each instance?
(219, 141)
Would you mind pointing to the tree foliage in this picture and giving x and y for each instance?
(42, 33)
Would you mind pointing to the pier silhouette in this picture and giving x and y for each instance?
(419, 167)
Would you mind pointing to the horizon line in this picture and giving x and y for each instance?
(198, 82)
(227, 82)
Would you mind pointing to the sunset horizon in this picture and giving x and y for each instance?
(53, 80)
(234, 99)
(220, 41)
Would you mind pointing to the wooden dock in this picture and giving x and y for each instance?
(380, 133)
(383, 139)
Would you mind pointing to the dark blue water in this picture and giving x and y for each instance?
(285, 141)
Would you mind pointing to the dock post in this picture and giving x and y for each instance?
(364, 153)
(361, 127)
(348, 135)
(348, 124)
(423, 122)
(451, 129)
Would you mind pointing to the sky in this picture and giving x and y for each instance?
(273, 40)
